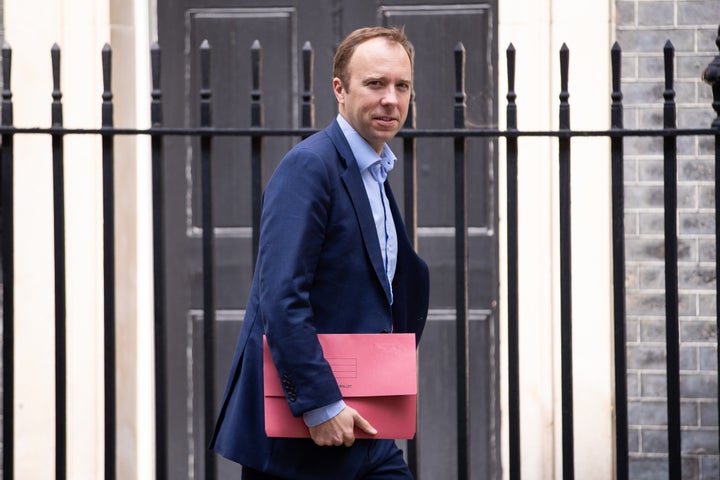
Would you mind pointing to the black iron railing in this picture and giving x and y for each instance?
(206, 133)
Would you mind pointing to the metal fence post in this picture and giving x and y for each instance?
(158, 226)
(108, 166)
(8, 271)
(568, 444)
(257, 119)
(672, 328)
(512, 288)
(618, 229)
(208, 256)
(711, 76)
(59, 242)
(461, 272)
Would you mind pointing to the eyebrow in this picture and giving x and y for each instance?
(372, 78)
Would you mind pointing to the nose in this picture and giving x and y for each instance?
(390, 97)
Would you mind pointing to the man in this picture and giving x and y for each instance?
(334, 258)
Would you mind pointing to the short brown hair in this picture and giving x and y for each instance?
(347, 47)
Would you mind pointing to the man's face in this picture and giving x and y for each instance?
(375, 101)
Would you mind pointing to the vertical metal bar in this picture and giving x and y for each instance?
(461, 271)
(109, 266)
(512, 253)
(716, 125)
(410, 174)
(59, 240)
(410, 200)
(256, 142)
(308, 99)
(672, 335)
(711, 76)
(618, 235)
(158, 193)
(566, 273)
(208, 255)
(8, 272)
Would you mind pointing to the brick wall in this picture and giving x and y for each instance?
(643, 27)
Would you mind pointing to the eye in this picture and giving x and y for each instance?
(403, 87)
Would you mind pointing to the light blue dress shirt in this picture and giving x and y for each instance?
(367, 160)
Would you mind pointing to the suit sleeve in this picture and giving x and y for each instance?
(292, 234)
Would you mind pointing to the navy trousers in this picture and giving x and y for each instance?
(384, 462)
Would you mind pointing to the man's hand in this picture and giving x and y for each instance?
(339, 430)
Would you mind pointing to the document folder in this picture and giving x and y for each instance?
(376, 373)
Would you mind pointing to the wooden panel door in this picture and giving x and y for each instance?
(282, 28)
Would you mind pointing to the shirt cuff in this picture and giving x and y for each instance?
(313, 418)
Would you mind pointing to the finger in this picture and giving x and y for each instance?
(328, 442)
(349, 440)
(364, 425)
(319, 441)
(321, 438)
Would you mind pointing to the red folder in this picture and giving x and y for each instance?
(376, 373)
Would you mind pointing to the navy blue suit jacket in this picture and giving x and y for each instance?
(319, 270)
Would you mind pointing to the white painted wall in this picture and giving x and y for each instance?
(81, 28)
(34, 313)
(537, 29)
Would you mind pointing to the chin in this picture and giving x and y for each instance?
(386, 135)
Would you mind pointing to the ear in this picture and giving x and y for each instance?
(338, 90)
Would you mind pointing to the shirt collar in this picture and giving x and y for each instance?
(365, 156)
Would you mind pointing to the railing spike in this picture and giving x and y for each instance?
(308, 106)
(56, 108)
(256, 108)
(106, 68)
(510, 53)
(564, 93)
(460, 96)
(156, 116)
(616, 117)
(6, 67)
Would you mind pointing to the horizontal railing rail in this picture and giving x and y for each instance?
(403, 133)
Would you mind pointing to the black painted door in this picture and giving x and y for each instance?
(282, 28)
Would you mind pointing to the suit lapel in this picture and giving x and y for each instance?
(356, 190)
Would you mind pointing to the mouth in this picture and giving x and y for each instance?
(385, 120)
